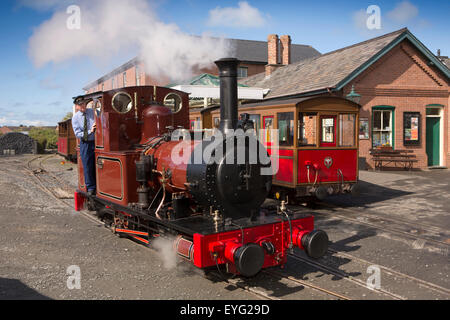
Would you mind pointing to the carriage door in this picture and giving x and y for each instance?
(328, 131)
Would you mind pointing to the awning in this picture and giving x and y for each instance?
(198, 91)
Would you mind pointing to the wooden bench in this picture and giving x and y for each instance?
(385, 156)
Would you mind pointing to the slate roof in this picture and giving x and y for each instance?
(256, 51)
(321, 72)
(447, 62)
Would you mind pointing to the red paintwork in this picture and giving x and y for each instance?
(81, 185)
(156, 118)
(178, 167)
(116, 180)
(62, 145)
(79, 201)
(225, 243)
(285, 170)
(343, 159)
(117, 133)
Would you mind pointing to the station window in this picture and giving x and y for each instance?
(382, 128)
(285, 128)
(307, 128)
(347, 130)
(124, 75)
(242, 72)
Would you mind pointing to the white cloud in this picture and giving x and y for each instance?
(109, 28)
(403, 12)
(359, 19)
(243, 16)
(13, 122)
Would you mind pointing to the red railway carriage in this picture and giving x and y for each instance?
(317, 146)
(66, 140)
(150, 182)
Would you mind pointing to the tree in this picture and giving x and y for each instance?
(68, 116)
(45, 137)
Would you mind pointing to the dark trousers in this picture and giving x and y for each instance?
(87, 153)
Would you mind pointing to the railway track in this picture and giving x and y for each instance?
(422, 235)
(344, 275)
(39, 173)
(423, 283)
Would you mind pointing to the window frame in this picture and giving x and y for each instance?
(391, 109)
(300, 129)
(325, 143)
(239, 73)
(340, 128)
(290, 138)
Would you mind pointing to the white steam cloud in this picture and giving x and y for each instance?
(110, 27)
(164, 247)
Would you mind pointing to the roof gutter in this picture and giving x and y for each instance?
(329, 90)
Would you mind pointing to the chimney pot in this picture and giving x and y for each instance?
(285, 49)
(273, 53)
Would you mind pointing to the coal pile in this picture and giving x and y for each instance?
(17, 143)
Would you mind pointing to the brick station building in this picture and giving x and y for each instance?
(252, 54)
(404, 88)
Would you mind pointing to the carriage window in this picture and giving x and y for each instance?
(122, 102)
(347, 130)
(286, 128)
(328, 130)
(98, 107)
(307, 123)
(267, 133)
(173, 101)
(256, 121)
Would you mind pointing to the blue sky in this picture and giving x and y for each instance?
(36, 93)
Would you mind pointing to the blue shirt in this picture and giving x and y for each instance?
(78, 124)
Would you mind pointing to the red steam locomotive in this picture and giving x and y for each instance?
(155, 178)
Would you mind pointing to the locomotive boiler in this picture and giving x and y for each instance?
(203, 191)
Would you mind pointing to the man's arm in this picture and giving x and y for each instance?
(77, 130)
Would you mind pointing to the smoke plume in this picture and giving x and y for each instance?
(112, 27)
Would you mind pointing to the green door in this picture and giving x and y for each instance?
(433, 143)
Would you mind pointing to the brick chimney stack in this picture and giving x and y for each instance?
(285, 49)
(273, 53)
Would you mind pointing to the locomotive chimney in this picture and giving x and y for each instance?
(228, 93)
